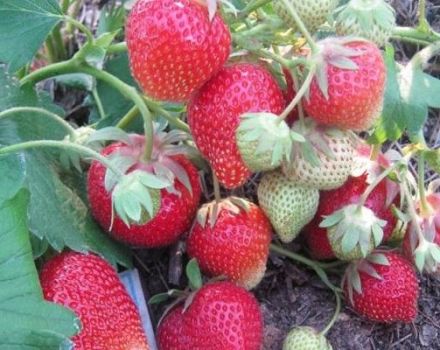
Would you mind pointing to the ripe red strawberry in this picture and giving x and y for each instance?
(236, 245)
(345, 97)
(388, 289)
(221, 316)
(90, 287)
(174, 48)
(214, 115)
(331, 201)
(177, 206)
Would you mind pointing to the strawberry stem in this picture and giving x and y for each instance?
(414, 36)
(63, 146)
(376, 182)
(289, 7)
(11, 112)
(375, 151)
(75, 65)
(81, 27)
(335, 315)
(425, 208)
(423, 23)
(310, 263)
(421, 59)
(300, 94)
(300, 106)
(413, 212)
(117, 48)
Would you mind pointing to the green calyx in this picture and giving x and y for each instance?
(353, 231)
(264, 141)
(352, 278)
(305, 338)
(426, 252)
(334, 52)
(288, 206)
(324, 161)
(136, 197)
(370, 19)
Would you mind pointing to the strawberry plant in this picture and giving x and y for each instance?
(238, 130)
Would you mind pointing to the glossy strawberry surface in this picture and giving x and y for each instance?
(214, 115)
(237, 246)
(175, 215)
(355, 96)
(174, 48)
(89, 286)
(222, 316)
(392, 298)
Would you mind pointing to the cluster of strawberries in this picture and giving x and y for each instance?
(317, 179)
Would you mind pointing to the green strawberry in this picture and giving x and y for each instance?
(325, 161)
(353, 231)
(288, 206)
(313, 13)
(305, 338)
(264, 141)
(370, 19)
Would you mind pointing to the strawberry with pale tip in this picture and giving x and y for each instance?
(288, 206)
(324, 161)
(383, 288)
(231, 238)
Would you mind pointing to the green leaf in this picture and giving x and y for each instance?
(56, 211)
(433, 159)
(12, 175)
(409, 93)
(194, 275)
(115, 105)
(27, 322)
(24, 25)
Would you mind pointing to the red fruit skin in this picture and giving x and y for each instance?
(289, 94)
(222, 316)
(174, 48)
(214, 115)
(333, 200)
(173, 219)
(236, 247)
(90, 287)
(355, 96)
(392, 299)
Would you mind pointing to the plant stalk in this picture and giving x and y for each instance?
(12, 111)
(63, 146)
(310, 263)
(300, 94)
(335, 315)
(302, 28)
